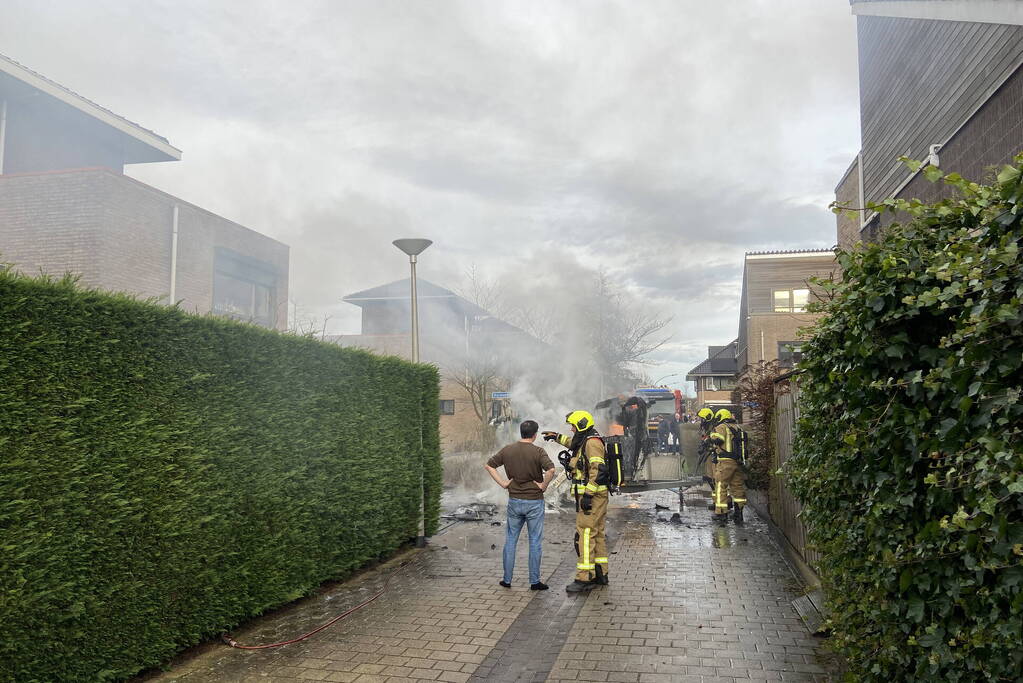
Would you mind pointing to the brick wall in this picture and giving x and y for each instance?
(117, 233)
(773, 328)
(848, 194)
(49, 222)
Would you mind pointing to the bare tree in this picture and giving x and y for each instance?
(624, 331)
(303, 325)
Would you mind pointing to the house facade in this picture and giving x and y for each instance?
(66, 206)
(716, 379)
(939, 80)
(776, 289)
(470, 347)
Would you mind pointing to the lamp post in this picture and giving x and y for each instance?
(414, 247)
(657, 383)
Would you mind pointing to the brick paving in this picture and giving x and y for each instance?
(688, 602)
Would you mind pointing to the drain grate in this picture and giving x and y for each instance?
(810, 609)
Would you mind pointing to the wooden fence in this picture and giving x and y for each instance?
(784, 507)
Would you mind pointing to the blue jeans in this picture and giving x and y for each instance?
(529, 512)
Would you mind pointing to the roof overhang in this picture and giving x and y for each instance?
(979, 11)
(141, 145)
(820, 253)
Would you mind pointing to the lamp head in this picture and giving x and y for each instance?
(412, 247)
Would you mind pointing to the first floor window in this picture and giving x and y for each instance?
(722, 383)
(790, 300)
(447, 406)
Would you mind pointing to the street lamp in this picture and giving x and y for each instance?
(657, 383)
(415, 247)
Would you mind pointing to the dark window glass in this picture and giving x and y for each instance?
(243, 288)
(790, 352)
(447, 406)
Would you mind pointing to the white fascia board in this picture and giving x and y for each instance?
(979, 11)
(798, 254)
(36, 81)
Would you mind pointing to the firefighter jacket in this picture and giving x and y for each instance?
(589, 473)
(729, 445)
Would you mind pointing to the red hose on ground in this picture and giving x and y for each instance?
(233, 643)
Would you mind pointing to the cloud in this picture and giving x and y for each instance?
(655, 140)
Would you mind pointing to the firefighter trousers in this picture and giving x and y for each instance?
(590, 543)
(729, 480)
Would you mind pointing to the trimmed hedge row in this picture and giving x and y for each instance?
(165, 476)
(910, 441)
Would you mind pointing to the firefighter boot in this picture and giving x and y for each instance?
(578, 586)
(601, 578)
(738, 514)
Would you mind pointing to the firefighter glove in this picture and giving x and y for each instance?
(586, 502)
(550, 436)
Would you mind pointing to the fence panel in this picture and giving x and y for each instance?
(784, 507)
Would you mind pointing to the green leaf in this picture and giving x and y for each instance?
(905, 579)
(1008, 174)
(915, 609)
(932, 173)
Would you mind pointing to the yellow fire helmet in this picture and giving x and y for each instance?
(579, 419)
(723, 414)
(705, 414)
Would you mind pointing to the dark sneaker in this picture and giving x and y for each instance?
(578, 586)
(504, 584)
(539, 586)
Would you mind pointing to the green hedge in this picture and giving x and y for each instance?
(910, 456)
(165, 476)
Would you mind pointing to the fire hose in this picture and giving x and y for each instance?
(226, 637)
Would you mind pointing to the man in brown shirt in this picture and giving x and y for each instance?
(528, 471)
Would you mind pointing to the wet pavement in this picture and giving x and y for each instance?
(689, 601)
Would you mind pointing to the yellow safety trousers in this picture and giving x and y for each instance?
(729, 479)
(590, 542)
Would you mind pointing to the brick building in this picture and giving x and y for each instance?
(939, 79)
(776, 289)
(457, 336)
(716, 379)
(66, 206)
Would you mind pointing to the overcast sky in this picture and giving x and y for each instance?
(658, 140)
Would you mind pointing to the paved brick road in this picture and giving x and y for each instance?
(689, 601)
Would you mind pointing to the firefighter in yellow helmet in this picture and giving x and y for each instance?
(585, 464)
(706, 452)
(730, 444)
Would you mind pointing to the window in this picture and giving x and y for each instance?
(447, 406)
(790, 352)
(719, 383)
(790, 300)
(243, 288)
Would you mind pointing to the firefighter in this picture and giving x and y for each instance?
(730, 443)
(705, 451)
(589, 486)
